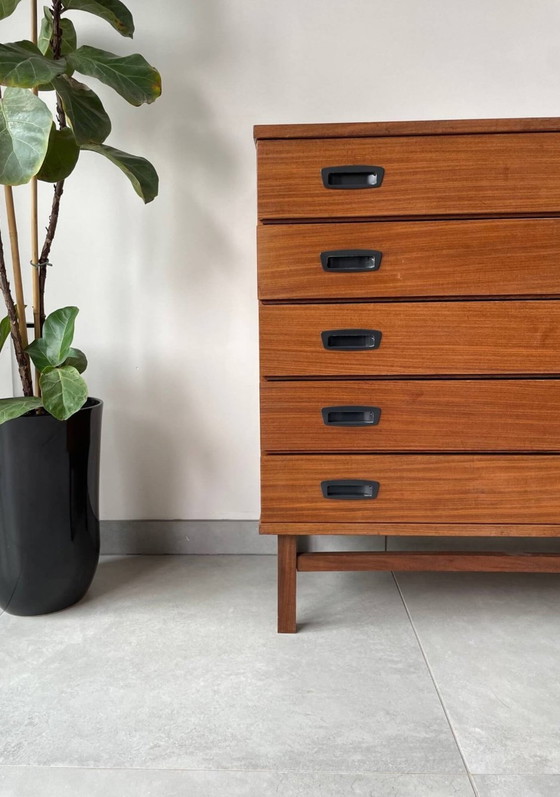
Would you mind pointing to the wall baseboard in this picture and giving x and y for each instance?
(242, 537)
(184, 537)
(211, 537)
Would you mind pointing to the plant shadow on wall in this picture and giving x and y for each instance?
(154, 470)
(50, 436)
(185, 428)
(220, 271)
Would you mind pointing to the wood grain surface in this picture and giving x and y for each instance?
(421, 415)
(287, 584)
(467, 561)
(488, 337)
(446, 258)
(415, 488)
(470, 175)
(465, 222)
(396, 529)
(407, 128)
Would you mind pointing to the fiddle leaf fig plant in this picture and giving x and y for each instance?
(44, 140)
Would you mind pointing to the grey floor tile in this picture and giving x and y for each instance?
(493, 645)
(62, 782)
(174, 662)
(518, 785)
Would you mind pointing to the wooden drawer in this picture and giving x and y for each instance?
(414, 488)
(451, 175)
(438, 338)
(446, 258)
(421, 415)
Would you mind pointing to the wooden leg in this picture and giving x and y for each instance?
(287, 575)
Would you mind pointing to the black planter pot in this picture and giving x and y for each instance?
(49, 515)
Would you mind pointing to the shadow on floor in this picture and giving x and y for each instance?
(115, 574)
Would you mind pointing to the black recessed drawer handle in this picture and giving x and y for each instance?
(348, 177)
(351, 260)
(351, 416)
(350, 489)
(351, 339)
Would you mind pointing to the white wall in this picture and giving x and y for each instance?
(168, 292)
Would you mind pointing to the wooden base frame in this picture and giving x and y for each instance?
(290, 562)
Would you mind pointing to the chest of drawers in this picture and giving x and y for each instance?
(409, 288)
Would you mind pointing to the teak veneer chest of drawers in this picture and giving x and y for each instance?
(409, 286)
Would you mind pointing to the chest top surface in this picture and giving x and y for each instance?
(407, 128)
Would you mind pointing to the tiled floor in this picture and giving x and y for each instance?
(169, 680)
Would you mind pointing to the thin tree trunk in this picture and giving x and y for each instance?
(46, 250)
(35, 213)
(35, 258)
(56, 44)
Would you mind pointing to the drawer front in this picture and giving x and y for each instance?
(437, 338)
(476, 175)
(459, 415)
(411, 488)
(448, 258)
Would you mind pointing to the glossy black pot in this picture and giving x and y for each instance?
(49, 516)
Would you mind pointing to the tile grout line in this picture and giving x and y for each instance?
(159, 770)
(440, 698)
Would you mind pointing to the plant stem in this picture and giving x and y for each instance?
(46, 250)
(21, 357)
(35, 258)
(56, 45)
(16, 262)
(34, 220)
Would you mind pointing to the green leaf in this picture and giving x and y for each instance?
(139, 171)
(5, 329)
(45, 33)
(25, 124)
(77, 359)
(61, 158)
(69, 38)
(37, 350)
(11, 408)
(112, 11)
(54, 347)
(131, 76)
(84, 110)
(23, 66)
(8, 7)
(64, 391)
(58, 333)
